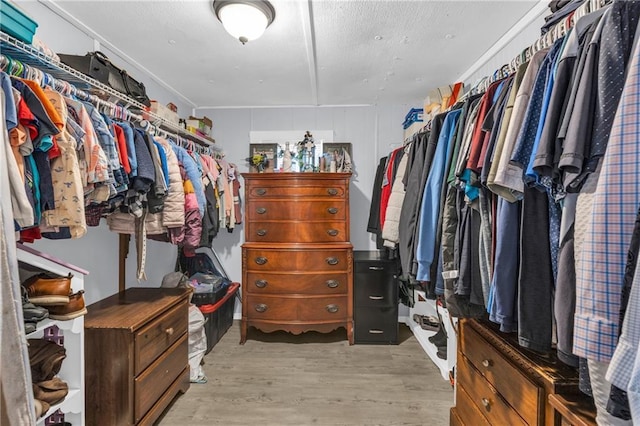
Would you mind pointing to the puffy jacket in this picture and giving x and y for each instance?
(391, 227)
(193, 174)
(173, 212)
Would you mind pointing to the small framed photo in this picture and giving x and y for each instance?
(270, 151)
(333, 154)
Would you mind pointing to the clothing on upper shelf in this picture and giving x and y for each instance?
(73, 164)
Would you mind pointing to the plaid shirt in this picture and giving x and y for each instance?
(600, 268)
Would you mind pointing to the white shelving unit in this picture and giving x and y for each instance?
(72, 371)
(424, 306)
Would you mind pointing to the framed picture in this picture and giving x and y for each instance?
(270, 150)
(333, 152)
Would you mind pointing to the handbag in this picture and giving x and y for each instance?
(98, 66)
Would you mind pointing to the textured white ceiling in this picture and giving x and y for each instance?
(317, 52)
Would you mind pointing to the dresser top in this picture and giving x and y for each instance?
(132, 308)
(294, 176)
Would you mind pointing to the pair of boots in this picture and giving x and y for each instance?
(45, 359)
(55, 293)
(440, 340)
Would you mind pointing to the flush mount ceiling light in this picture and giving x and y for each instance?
(244, 19)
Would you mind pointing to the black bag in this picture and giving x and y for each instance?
(96, 65)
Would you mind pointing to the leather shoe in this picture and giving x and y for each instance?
(48, 290)
(45, 358)
(41, 408)
(71, 310)
(51, 391)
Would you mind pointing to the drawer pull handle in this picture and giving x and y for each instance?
(376, 268)
(332, 309)
(332, 260)
(332, 210)
(332, 283)
(376, 297)
(261, 283)
(169, 331)
(376, 331)
(487, 363)
(261, 260)
(261, 210)
(261, 191)
(332, 232)
(332, 191)
(261, 232)
(261, 307)
(486, 404)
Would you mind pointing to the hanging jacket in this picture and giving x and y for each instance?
(192, 171)
(173, 212)
(390, 229)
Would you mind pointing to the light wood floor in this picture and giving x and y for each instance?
(314, 379)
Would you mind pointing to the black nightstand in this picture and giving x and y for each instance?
(375, 302)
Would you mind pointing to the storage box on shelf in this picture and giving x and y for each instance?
(219, 316)
(73, 367)
(15, 22)
(203, 124)
(424, 306)
(164, 112)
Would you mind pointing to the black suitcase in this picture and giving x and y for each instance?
(97, 66)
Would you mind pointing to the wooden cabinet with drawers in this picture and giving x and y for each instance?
(136, 354)
(500, 383)
(297, 259)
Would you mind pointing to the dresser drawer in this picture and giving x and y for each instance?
(297, 232)
(284, 189)
(322, 308)
(376, 325)
(467, 411)
(154, 338)
(261, 210)
(300, 283)
(297, 260)
(520, 392)
(272, 308)
(486, 398)
(155, 380)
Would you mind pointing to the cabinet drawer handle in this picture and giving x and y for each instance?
(486, 403)
(169, 331)
(261, 283)
(332, 210)
(376, 331)
(487, 363)
(261, 307)
(376, 268)
(261, 210)
(261, 191)
(261, 260)
(332, 191)
(332, 260)
(261, 232)
(332, 232)
(332, 309)
(376, 297)
(332, 283)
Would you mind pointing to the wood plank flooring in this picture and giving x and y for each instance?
(314, 379)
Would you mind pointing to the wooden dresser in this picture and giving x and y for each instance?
(297, 259)
(136, 355)
(500, 383)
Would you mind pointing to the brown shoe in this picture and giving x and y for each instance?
(71, 310)
(41, 408)
(45, 358)
(48, 290)
(51, 391)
